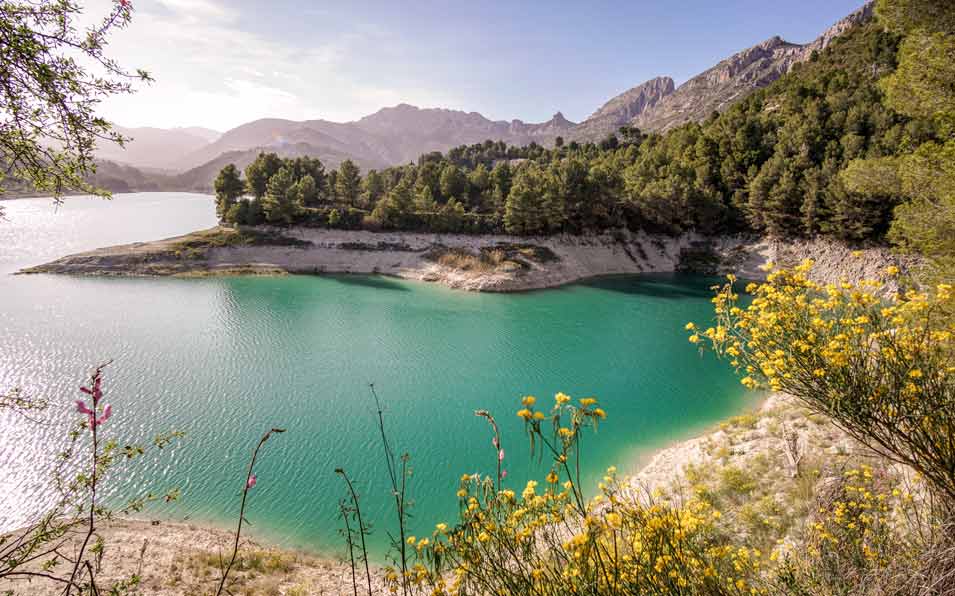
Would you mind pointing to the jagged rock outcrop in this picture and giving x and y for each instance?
(545, 131)
(735, 77)
(623, 108)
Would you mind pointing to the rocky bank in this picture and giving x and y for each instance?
(493, 263)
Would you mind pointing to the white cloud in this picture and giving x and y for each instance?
(196, 9)
(210, 73)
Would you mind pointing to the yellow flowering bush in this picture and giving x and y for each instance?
(861, 529)
(548, 539)
(880, 364)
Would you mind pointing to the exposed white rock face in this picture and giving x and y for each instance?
(407, 255)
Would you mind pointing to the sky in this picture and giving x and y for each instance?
(220, 63)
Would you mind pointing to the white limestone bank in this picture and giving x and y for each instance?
(493, 263)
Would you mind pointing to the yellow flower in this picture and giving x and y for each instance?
(892, 270)
(411, 540)
(614, 520)
(539, 416)
(528, 400)
(524, 413)
(552, 478)
(600, 413)
(441, 528)
(483, 537)
(588, 401)
(915, 373)
(690, 326)
(561, 398)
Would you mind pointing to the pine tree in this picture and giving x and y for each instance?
(522, 213)
(348, 182)
(228, 187)
(279, 204)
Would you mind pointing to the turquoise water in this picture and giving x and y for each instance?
(225, 359)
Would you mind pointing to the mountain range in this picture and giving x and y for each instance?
(156, 149)
(189, 158)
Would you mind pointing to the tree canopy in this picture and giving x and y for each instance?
(923, 171)
(54, 78)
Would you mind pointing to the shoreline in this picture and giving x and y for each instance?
(178, 557)
(485, 263)
(641, 460)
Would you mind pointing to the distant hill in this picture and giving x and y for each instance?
(390, 136)
(200, 178)
(155, 148)
(109, 175)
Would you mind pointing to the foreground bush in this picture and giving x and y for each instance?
(870, 536)
(550, 539)
(880, 363)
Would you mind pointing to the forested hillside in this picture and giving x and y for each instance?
(772, 163)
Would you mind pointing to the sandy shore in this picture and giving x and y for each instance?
(178, 558)
(759, 431)
(494, 263)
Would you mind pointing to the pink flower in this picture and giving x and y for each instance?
(107, 412)
(503, 474)
(494, 442)
(251, 482)
(500, 455)
(96, 391)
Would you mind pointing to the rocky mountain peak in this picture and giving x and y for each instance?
(559, 119)
(864, 14)
(772, 43)
(734, 77)
(624, 107)
(635, 100)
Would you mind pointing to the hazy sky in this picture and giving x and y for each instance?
(219, 63)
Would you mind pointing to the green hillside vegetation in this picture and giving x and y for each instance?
(773, 163)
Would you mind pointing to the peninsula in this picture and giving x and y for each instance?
(488, 263)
